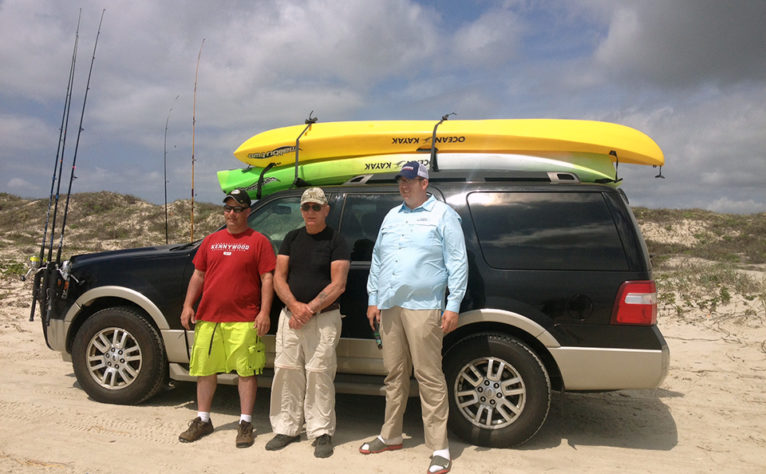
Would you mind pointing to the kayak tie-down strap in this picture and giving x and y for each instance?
(309, 122)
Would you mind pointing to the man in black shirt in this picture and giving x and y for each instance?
(310, 275)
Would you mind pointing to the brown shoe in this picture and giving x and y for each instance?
(197, 429)
(245, 436)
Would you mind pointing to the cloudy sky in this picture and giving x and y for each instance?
(689, 73)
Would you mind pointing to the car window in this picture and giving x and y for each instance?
(546, 231)
(362, 216)
(277, 218)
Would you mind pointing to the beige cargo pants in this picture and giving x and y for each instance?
(304, 374)
(414, 338)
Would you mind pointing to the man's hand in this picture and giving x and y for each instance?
(262, 323)
(449, 321)
(187, 317)
(300, 314)
(373, 314)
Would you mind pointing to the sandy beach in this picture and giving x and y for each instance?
(709, 415)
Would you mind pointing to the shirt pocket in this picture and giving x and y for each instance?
(425, 235)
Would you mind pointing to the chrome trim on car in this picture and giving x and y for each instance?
(601, 368)
(510, 319)
(133, 296)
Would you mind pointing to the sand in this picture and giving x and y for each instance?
(709, 415)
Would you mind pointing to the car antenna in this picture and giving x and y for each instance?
(309, 122)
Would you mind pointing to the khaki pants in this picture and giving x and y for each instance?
(414, 338)
(304, 374)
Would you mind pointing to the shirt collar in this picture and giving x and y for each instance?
(425, 207)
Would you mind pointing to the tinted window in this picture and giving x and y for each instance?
(362, 216)
(277, 218)
(546, 231)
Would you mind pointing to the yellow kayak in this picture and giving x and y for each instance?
(338, 140)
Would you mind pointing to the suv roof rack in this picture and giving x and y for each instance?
(473, 176)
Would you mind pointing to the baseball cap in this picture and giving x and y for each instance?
(239, 195)
(314, 195)
(412, 170)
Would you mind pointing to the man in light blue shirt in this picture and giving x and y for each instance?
(418, 255)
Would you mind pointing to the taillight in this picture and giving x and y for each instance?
(636, 304)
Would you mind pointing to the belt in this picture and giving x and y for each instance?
(332, 307)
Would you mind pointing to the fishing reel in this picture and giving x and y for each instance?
(33, 265)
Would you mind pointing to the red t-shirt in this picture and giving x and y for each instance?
(233, 265)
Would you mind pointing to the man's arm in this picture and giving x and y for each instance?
(193, 291)
(456, 261)
(300, 311)
(263, 319)
(331, 292)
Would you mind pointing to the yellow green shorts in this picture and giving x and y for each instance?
(220, 348)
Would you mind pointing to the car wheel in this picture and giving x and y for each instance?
(499, 390)
(118, 357)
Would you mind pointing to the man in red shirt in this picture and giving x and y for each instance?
(233, 273)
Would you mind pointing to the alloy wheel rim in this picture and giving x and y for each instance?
(490, 393)
(113, 358)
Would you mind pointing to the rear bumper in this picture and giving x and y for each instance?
(594, 368)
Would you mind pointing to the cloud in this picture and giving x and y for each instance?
(20, 185)
(684, 42)
(490, 41)
(268, 64)
(24, 133)
(729, 206)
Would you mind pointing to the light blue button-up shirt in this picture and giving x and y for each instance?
(419, 253)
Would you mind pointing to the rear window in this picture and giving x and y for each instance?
(546, 231)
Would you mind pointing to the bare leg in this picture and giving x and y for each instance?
(205, 390)
(248, 387)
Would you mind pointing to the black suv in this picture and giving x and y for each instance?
(560, 297)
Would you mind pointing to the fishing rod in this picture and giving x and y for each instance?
(54, 268)
(77, 142)
(194, 123)
(165, 168)
(37, 266)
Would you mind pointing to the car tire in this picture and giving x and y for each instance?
(499, 390)
(118, 357)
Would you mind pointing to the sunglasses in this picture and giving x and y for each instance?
(236, 209)
(314, 207)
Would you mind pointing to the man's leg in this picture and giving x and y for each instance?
(288, 387)
(320, 338)
(248, 387)
(206, 386)
(201, 425)
(425, 336)
(398, 364)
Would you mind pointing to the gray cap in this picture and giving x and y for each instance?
(314, 195)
